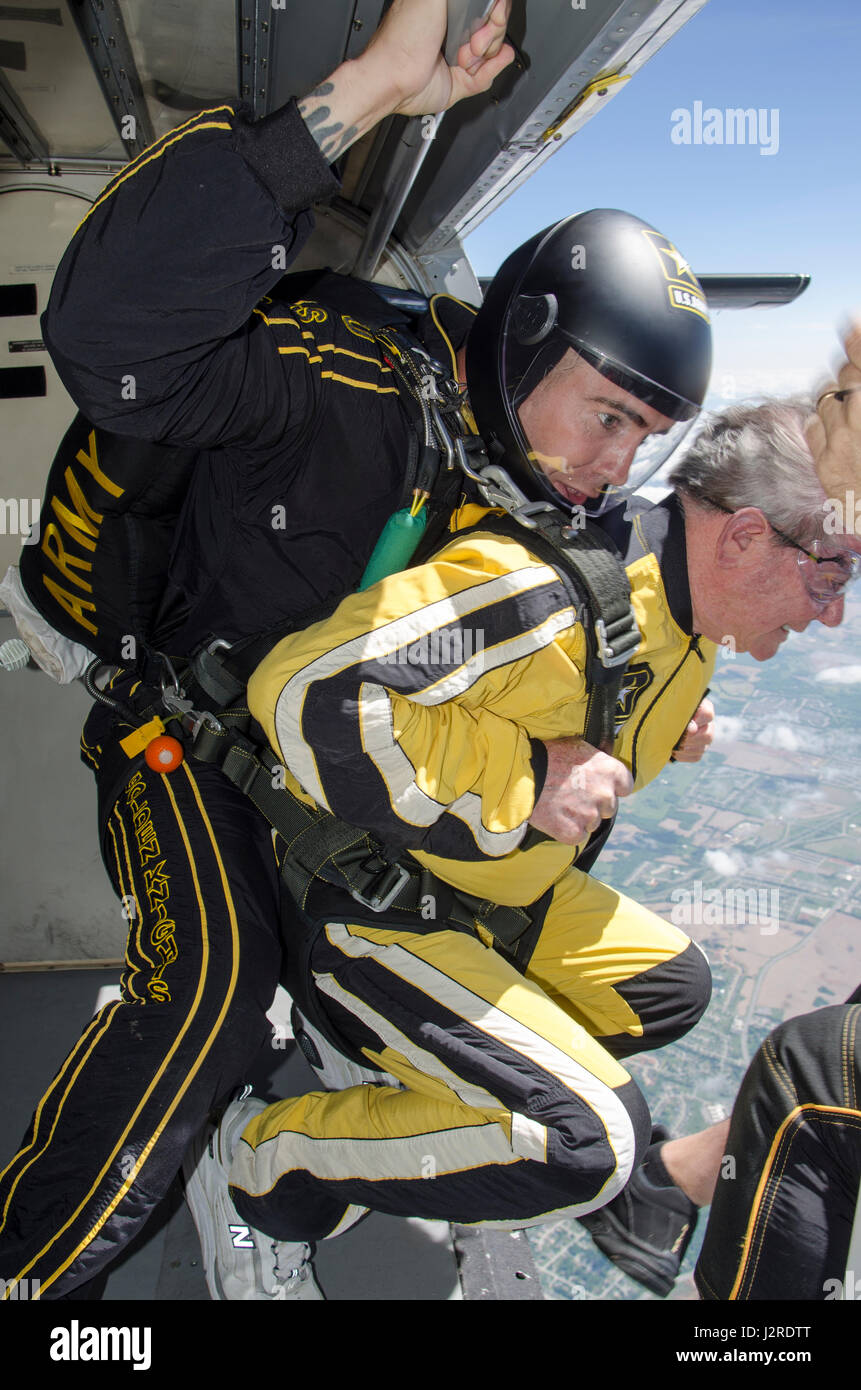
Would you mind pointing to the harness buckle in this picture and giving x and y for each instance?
(191, 720)
(381, 891)
(173, 701)
(169, 678)
(625, 641)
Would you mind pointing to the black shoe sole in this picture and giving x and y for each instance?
(656, 1272)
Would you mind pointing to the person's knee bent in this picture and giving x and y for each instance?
(591, 1152)
(668, 1000)
(815, 1055)
(693, 994)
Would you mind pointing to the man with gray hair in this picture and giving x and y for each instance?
(755, 512)
(497, 753)
(760, 561)
(783, 1228)
(756, 451)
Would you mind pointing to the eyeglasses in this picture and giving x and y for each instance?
(825, 577)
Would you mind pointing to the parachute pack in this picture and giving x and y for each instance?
(98, 571)
(106, 530)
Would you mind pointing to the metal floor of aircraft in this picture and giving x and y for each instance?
(384, 1259)
(58, 905)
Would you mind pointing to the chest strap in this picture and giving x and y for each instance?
(591, 570)
(320, 845)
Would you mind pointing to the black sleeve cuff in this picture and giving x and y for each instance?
(538, 754)
(283, 153)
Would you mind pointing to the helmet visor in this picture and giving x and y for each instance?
(591, 431)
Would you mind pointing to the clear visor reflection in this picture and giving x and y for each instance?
(585, 434)
(652, 455)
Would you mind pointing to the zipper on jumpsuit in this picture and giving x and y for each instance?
(693, 646)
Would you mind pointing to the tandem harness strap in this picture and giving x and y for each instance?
(320, 846)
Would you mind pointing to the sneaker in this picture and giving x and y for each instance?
(646, 1230)
(240, 1262)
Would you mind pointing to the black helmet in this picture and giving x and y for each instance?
(615, 291)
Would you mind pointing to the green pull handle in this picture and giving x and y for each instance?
(396, 545)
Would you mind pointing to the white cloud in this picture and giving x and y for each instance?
(800, 805)
(727, 727)
(767, 864)
(839, 675)
(782, 736)
(656, 491)
(723, 863)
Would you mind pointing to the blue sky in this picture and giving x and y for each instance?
(730, 207)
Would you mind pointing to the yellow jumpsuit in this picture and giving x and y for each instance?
(418, 710)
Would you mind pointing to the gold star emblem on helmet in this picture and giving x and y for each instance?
(675, 267)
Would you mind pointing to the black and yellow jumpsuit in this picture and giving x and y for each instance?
(166, 324)
(420, 710)
(784, 1223)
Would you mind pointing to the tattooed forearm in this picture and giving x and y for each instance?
(332, 139)
(329, 133)
(325, 89)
